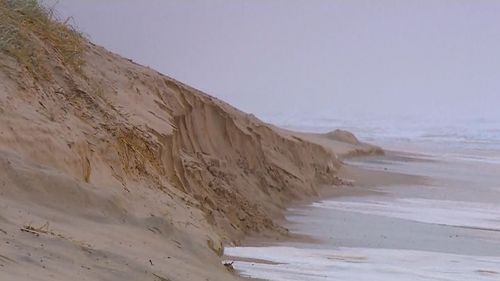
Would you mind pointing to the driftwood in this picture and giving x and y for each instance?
(161, 278)
(44, 229)
(228, 265)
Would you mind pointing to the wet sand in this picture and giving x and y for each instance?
(441, 224)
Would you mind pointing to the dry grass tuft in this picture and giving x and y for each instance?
(25, 24)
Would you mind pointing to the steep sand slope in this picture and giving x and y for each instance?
(116, 172)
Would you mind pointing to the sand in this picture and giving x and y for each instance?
(440, 223)
(117, 172)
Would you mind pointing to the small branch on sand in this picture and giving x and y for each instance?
(44, 229)
(29, 230)
(228, 265)
(161, 278)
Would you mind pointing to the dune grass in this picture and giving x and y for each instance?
(32, 34)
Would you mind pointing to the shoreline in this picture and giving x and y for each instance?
(343, 151)
(113, 171)
(358, 180)
(441, 238)
(129, 150)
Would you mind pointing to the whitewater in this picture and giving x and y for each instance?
(446, 227)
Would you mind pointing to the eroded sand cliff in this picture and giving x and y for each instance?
(112, 171)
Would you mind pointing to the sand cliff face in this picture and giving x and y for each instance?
(120, 124)
(112, 171)
(117, 147)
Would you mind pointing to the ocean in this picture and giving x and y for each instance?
(444, 227)
(469, 138)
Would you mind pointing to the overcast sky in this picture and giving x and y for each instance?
(293, 57)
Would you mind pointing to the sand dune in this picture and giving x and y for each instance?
(112, 171)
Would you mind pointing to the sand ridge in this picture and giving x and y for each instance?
(117, 172)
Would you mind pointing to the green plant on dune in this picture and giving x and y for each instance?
(32, 34)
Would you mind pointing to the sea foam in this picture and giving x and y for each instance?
(360, 264)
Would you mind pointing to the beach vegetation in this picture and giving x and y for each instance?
(33, 35)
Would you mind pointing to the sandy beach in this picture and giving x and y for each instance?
(436, 224)
(111, 170)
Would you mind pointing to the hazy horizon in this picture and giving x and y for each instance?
(310, 58)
